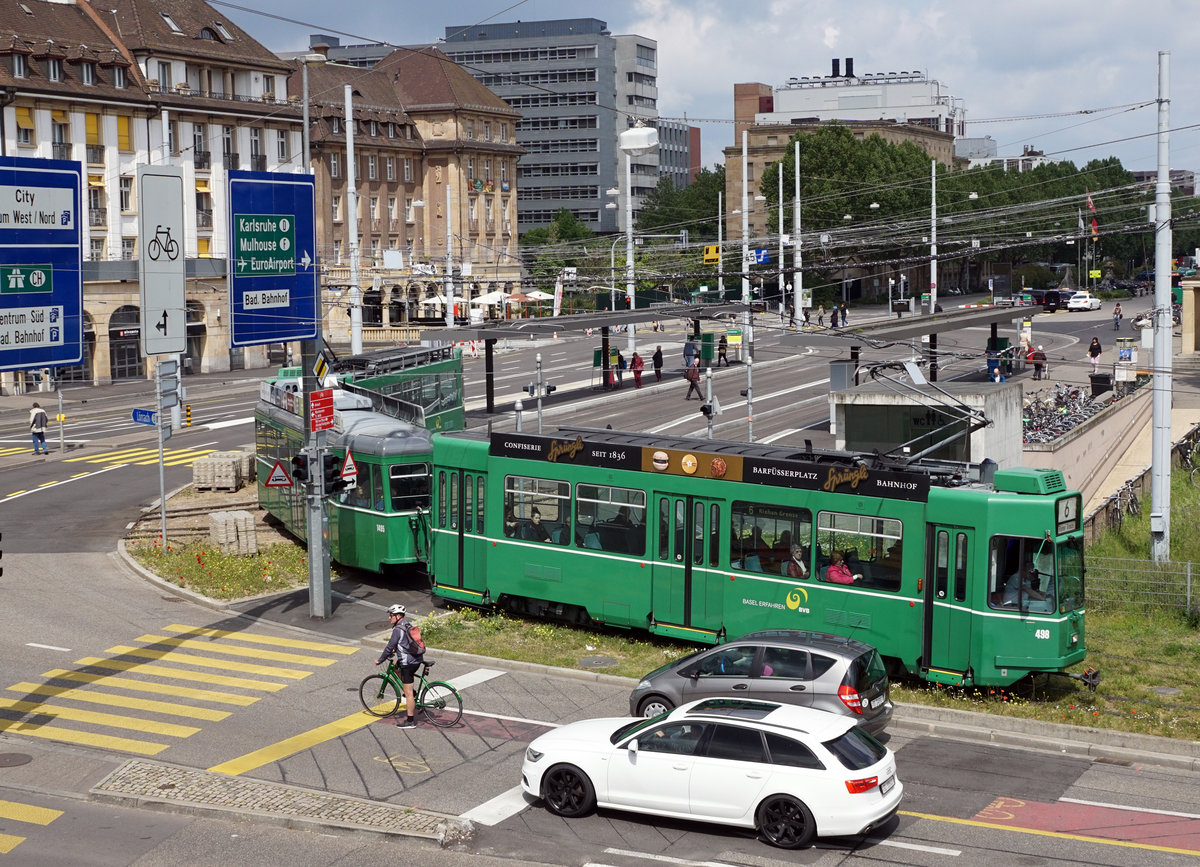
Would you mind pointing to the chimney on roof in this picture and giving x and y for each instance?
(837, 68)
(849, 67)
(321, 48)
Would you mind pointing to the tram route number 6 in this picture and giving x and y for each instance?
(1041, 633)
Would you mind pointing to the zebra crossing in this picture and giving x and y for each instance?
(144, 695)
(144, 457)
(29, 814)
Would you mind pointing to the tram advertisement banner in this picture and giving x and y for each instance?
(832, 478)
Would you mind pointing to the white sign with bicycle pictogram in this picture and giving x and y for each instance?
(161, 263)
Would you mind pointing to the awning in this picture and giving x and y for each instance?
(95, 180)
(24, 117)
(92, 122)
(59, 116)
(202, 185)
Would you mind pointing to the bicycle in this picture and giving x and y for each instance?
(1189, 460)
(382, 695)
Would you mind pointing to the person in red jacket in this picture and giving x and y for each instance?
(838, 572)
(638, 365)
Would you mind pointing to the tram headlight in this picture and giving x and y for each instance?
(1074, 637)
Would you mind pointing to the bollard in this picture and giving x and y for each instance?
(188, 410)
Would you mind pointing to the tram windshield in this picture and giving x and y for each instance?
(1021, 575)
(1069, 555)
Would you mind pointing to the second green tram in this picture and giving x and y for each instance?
(954, 577)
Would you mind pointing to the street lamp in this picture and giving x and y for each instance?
(635, 141)
(613, 192)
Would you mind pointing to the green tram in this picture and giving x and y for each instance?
(428, 377)
(956, 577)
(374, 524)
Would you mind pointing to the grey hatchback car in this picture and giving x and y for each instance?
(791, 666)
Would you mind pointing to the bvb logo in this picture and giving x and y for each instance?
(796, 598)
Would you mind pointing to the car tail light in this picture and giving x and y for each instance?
(850, 698)
(857, 787)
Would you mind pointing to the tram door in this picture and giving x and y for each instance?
(459, 549)
(687, 594)
(948, 620)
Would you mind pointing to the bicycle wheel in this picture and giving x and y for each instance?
(441, 703)
(1135, 508)
(379, 695)
(1195, 477)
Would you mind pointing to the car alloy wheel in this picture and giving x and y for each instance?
(654, 705)
(568, 792)
(786, 822)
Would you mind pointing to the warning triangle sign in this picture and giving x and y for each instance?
(279, 477)
(349, 468)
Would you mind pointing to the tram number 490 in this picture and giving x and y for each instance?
(1041, 633)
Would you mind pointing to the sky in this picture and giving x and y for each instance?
(1065, 77)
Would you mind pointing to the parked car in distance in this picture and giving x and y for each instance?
(1083, 300)
(791, 666)
(791, 773)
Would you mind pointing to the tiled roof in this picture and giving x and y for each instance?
(428, 79)
(203, 32)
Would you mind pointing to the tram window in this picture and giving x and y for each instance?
(664, 529)
(1021, 575)
(763, 536)
(870, 546)
(454, 501)
(960, 567)
(361, 495)
(468, 511)
(1070, 574)
(940, 569)
(479, 504)
(441, 516)
(680, 530)
(714, 535)
(541, 508)
(610, 519)
(698, 533)
(409, 486)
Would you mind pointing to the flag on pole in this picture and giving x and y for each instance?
(1080, 220)
(1092, 208)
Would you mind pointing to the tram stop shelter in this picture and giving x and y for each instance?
(577, 323)
(909, 329)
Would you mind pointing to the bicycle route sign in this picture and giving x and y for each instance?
(273, 280)
(161, 261)
(41, 290)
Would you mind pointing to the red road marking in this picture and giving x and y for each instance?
(1086, 820)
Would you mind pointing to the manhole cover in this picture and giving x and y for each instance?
(14, 760)
(1165, 690)
(597, 662)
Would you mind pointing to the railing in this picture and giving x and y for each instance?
(95, 153)
(202, 159)
(61, 150)
(204, 219)
(1118, 585)
(258, 162)
(97, 216)
(231, 160)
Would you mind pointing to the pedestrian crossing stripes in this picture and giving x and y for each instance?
(29, 814)
(143, 457)
(161, 686)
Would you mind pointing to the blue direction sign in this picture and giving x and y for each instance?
(272, 258)
(145, 416)
(41, 291)
(761, 255)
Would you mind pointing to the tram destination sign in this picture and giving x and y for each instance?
(718, 466)
(41, 290)
(273, 274)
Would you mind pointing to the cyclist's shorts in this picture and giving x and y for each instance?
(407, 672)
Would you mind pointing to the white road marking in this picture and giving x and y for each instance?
(233, 422)
(1131, 809)
(18, 494)
(665, 859)
(48, 647)
(499, 808)
(478, 676)
(935, 850)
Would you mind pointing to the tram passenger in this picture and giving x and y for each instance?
(838, 572)
(781, 551)
(796, 567)
(510, 522)
(537, 530)
(623, 518)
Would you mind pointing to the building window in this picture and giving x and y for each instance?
(487, 170)
(390, 166)
(24, 126)
(470, 167)
(172, 140)
(487, 210)
(408, 132)
(170, 22)
(391, 205)
(503, 170)
(124, 134)
(164, 77)
(54, 69)
(374, 251)
(87, 72)
(335, 165)
(97, 249)
(374, 127)
(20, 68)
(119, 77)
(487, 131)
(126, 194)
(268, 88)
(372, 167)
(503, 132)
(408, 209)
(470, 128)
(373, 209)
(408, 176)
(226, 140)
(128, 248)
(337, 252)
(391, 130)
(255, 141)
(281, 139)
(337, 208)
(335, 125)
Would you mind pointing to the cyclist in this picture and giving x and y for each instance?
(402, 643)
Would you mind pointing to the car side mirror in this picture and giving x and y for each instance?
(691, 671)
(633, 746)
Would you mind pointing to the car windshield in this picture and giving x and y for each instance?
(634, 726)
(856, 749)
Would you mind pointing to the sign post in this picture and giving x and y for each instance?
(161, 265)
(41, 290)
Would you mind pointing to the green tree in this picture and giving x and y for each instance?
(546, 251)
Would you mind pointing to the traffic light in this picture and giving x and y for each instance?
(300, 467)
(744, 392)
(549, 389)
(331, 472)
(706, 410)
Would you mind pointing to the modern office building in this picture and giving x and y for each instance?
(577, 87)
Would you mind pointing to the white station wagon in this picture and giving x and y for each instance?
(1083, 300)
(792, 773)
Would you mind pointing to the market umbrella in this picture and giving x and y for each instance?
(496, 297)
(517, 298)
(538, 295)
